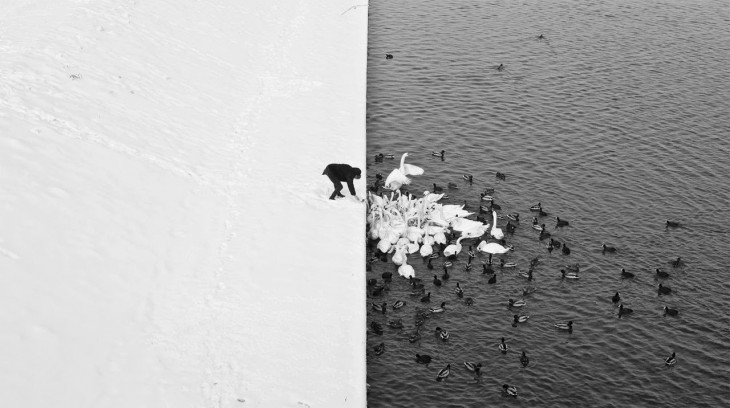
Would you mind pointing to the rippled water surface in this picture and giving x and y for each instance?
(616, 122)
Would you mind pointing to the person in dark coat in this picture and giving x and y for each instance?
(338, 173)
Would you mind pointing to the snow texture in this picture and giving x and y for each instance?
(165, 234)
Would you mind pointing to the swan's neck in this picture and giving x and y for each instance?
(402, 161)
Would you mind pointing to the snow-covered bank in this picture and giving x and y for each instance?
(165, 237)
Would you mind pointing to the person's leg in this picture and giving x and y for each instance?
(338, 185)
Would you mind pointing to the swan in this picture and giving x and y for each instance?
(491, 248)
(496, 232)
(399, 257)
(399, 176)
(453, 249)
(406, 271)
(426, 250)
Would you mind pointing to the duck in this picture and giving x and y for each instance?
(509, 390)
(565, 249)
(503, 264)
(429, 265)
(398, 304)
(661, 274)
(568, 275)
(538, 227)
(379, 157)
(388, 56)
(472, 366)
(469, 301)
(492, 280)
(487, 269)
(528, 290)
(445, 275)
(426, 298)
(423, 359)
(471, 253)
(520, 318)
(396, 324)
(419, 320)
(415, 336)
(443, 334)
(438, 309)
(372, 282)
(452, 186)
(524, 360)
(625, 274)
(527, 275)
(443, 373)
(664, 290)
(608, 248)
(414, 281)
(544, 234)
(514, 217)
(378, 290)
(500, 176)
(672, 224)
(670, 312)
(377, 328)
(670, 361)
(503, 346)
(624, 310)
(468, 177)
(677, 263)
(380, 308)
(550, 246)
(437, 188)
(510, 227)
(616, 298)
(387, 276)
(436, 280)
(459, 290)
(565, 326)
(495, 206)
(561, 223)
(439, 154)
(418, 291)
(379, 349)
(556, 244)
(536, 208)
(516, 303)
(448, 264)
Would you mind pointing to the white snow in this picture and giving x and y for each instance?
(165, 234)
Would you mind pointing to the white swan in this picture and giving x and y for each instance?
(491, 248)
(399, 176)
(453, 249)
(496, 232)
(399, 257)
(406, 271)
(426, 250)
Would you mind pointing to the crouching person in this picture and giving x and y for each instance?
(338, 173)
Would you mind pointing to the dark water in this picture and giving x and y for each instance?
(616, 122)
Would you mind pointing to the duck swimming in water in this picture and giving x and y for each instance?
(568, 275)
(377, 328)
(436, 280)
(520, 318)
(524, 360)
(670, 361)
(398, 304)
(624, 310)
(677, 263)
(439, 154)
(443, 373)
(388, 56)
(616, 298)
(661, 274)
(442, 334)
(423, 359)
(561, 223)
(670, 312)
(438, 309)
(459, 290)
(509, 390)
(426, 298)
(380, 308)
(625, 274)
(492, 280)
(516, 303)
(672, 224)
(396, 324)
(565, 326)
(503, 346)
(565, 249)
(608, 249)
(664, 290)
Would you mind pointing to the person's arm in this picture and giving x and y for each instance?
(351, 186)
